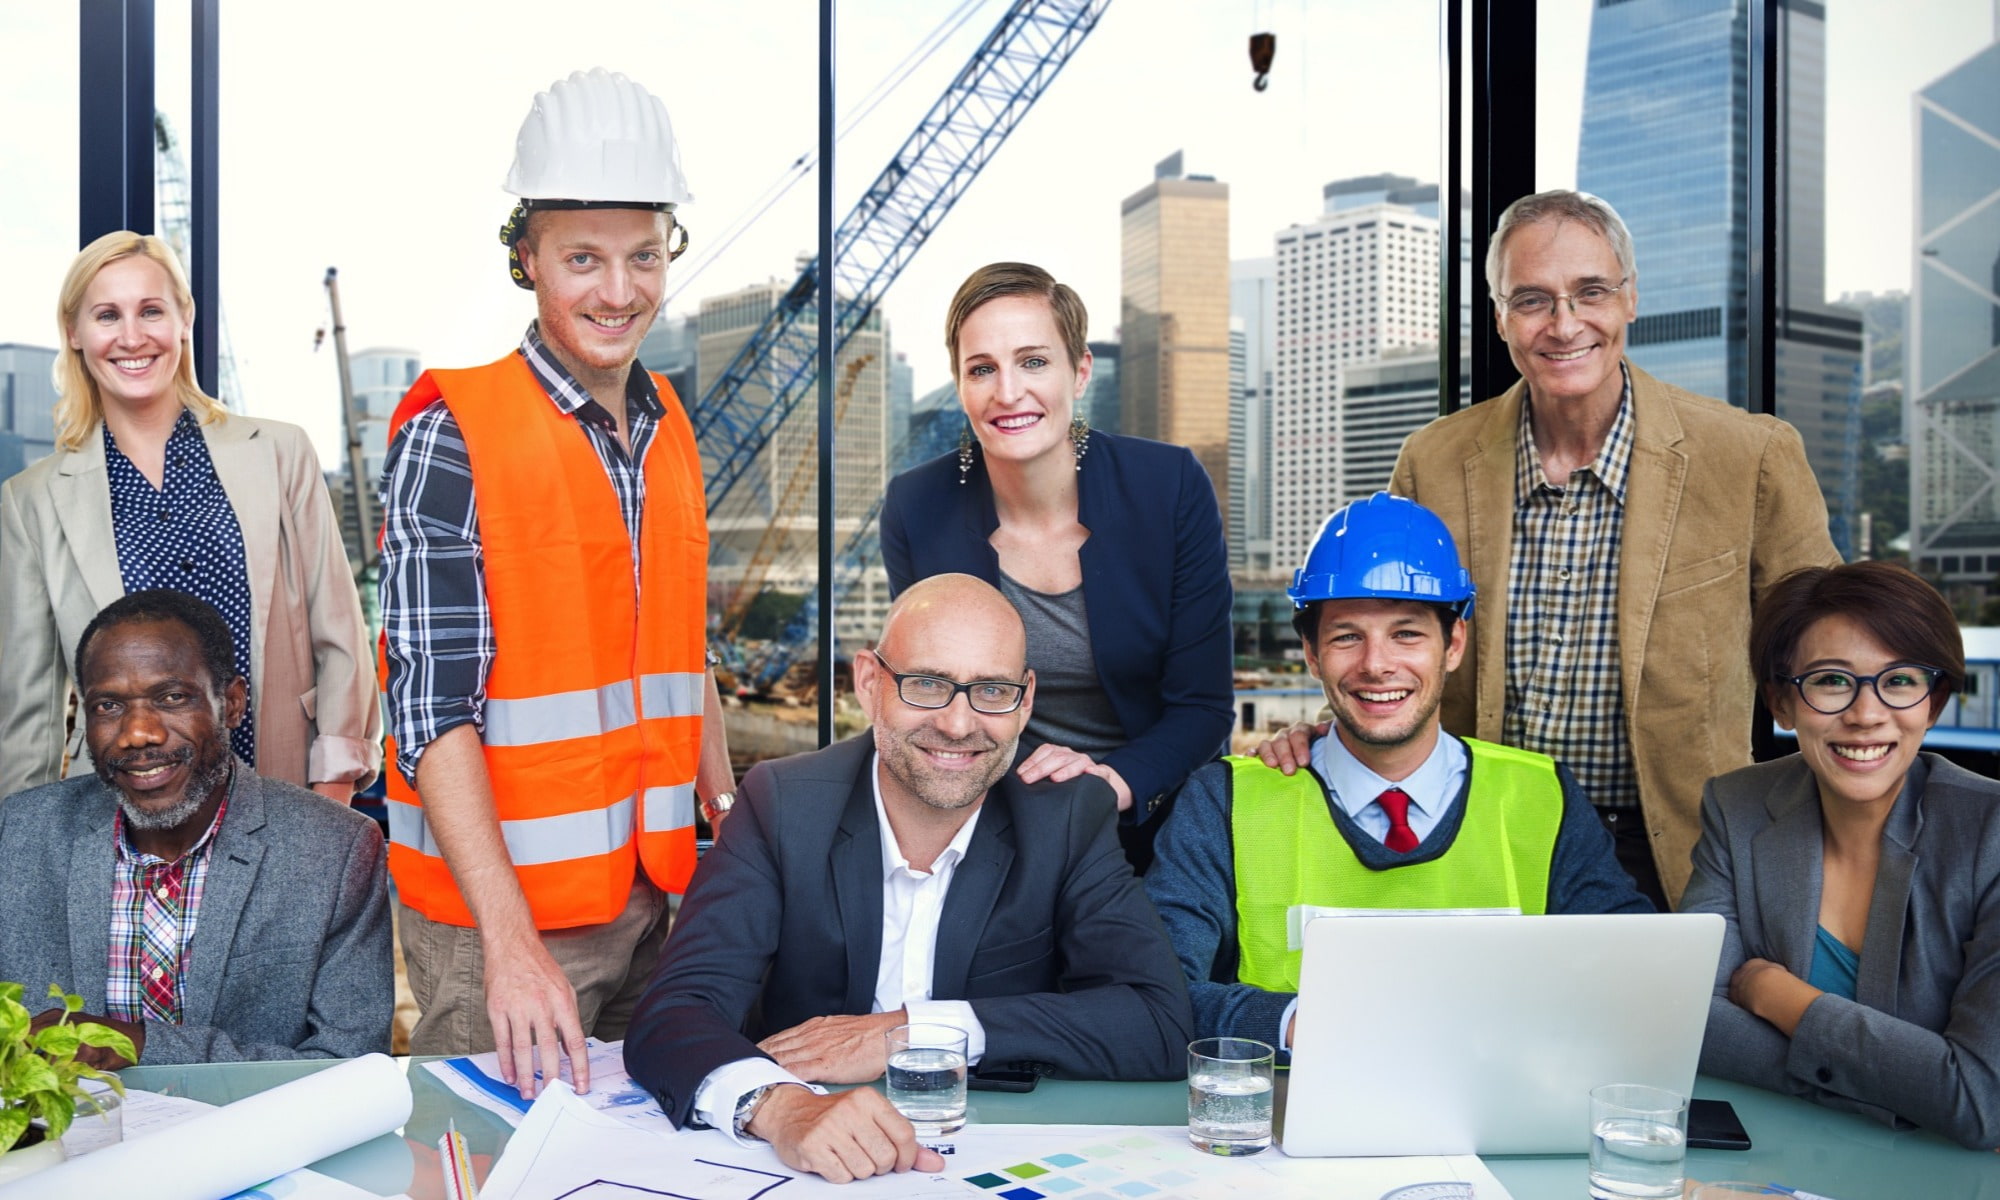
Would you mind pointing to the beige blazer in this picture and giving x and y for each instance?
(1719, 504)
(318, 717)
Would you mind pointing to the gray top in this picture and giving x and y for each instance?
(1071, 708)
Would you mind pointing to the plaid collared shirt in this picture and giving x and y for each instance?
(1563, 681)
(434, 610)
(148, 892)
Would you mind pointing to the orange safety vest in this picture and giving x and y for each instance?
(594, 699)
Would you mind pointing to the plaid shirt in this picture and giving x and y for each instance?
(148, 892)
(1564, 696)
(434, 610)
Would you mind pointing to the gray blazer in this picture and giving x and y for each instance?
(318, 718)
(1921, 1040)
(290, 957)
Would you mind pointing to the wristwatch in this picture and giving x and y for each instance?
(717, 805)
(746, 1108)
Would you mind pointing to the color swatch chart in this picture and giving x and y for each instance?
(1126, 1168)
(1157, 1163)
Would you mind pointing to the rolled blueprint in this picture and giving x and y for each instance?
(240, 1145)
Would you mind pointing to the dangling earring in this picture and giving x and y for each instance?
(964, 454)
(1079, 439)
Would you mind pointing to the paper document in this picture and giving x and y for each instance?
(1298, 916)
(612, 1091)
(221, 1151)
(567, 1150)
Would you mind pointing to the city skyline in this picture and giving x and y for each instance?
(310, 169)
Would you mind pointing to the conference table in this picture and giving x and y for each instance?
(1794, 1143)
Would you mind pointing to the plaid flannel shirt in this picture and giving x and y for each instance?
(1564, 696)
(148, 892)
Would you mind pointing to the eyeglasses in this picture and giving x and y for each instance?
(1831, 692)
(1532, 304)
(991, 697)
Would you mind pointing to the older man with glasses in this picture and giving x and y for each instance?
(907, 875)
(1619, 530)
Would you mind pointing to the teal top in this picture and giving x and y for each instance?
(1833, 965)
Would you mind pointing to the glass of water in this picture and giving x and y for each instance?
(1638, 1142)
(1229, 1095)
(927, 1077)
(100, 1121)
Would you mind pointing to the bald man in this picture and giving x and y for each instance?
(907, 875)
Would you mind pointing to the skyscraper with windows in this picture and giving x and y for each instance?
(27, 405)
(1173, 370)
(1253, 305)
(1953, 344)
(1665, 140)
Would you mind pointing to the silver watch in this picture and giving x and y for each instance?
(747, 1108)
(717, 805)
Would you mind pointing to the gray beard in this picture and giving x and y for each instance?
(201, 785)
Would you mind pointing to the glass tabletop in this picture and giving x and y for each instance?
(1797, 1144)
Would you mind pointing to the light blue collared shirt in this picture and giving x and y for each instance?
(1433, 787)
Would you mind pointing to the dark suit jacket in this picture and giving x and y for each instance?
(290, 957)
(1921, 1038)
(1155, 588)
(1045, 931)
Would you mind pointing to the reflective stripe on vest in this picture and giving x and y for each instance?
(591, 725)
(1288, 851)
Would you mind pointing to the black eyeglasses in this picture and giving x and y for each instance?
(1831, 691)
(992, 697)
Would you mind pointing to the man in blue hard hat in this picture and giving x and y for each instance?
(1395, 814)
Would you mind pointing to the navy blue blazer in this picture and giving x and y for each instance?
(1155, 588)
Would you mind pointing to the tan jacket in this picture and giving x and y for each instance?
(1719, 505)
(314, 691)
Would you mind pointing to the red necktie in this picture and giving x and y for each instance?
(1396, 803)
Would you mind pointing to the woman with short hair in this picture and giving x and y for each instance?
(1860, 877)
(154, 484)
(1110, 548)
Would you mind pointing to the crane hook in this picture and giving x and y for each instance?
(1263, 47)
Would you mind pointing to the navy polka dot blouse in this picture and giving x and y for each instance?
(184, 535)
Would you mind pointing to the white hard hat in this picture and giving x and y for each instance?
(597, 137)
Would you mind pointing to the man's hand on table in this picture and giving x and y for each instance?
(841, 1138)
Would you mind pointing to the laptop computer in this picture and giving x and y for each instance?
(1484, 1035)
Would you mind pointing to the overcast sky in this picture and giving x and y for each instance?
(376, 140)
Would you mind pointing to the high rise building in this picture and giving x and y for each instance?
(1173, 372)
(1665, 139)
(1953, 339)
(381, 376)
(671, 348)
(1253, 292)
(27, 405)
(902, 394)
(765, 534)
(1101, 398)
(1381, 403)
(1355, 285)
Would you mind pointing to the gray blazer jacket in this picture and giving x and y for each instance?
(314, 692)
(290, 957)
(1921, 1040)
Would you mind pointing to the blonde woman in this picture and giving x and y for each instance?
(153, 484)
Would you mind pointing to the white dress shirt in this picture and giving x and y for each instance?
(912, 902)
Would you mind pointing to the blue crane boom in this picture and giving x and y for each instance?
(776, 367)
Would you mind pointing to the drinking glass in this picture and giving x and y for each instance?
(1229, 1095)
(95, 1128)
(927, 1077)
(1638, 1142)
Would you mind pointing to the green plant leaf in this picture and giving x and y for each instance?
(56, 1111)
(58, 1041)
(13, 1123)
(11, 991)
(105, 1077)
(103, 1036)
(14, 1021)
(28, 1076)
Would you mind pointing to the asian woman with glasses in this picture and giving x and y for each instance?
(1861, 876)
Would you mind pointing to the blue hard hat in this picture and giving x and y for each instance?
(1387, 548)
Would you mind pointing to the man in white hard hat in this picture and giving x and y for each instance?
(544, 563)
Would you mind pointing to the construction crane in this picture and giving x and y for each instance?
(982, 105)
(776, 367)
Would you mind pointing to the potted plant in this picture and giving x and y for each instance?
(39, 1074)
